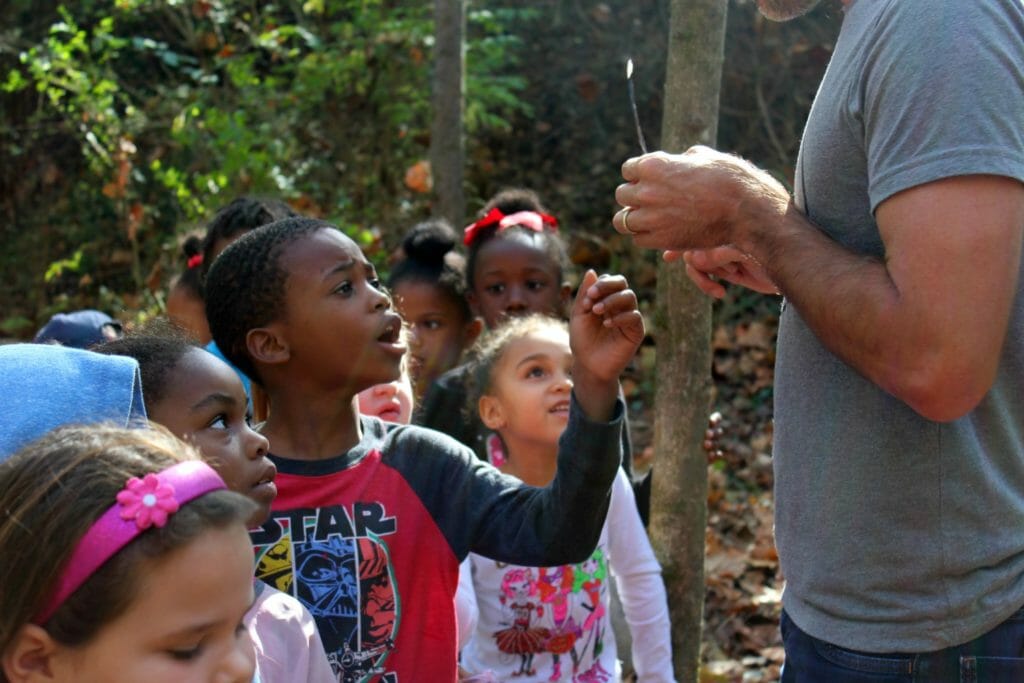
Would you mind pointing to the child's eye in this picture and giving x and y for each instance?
(219, 422)
(535, 371)
(432, 324)
(186, 654)
(535, 284)
(495, 289)
(248, 419)
(345, 288)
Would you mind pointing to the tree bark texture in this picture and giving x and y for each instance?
(682, 334)
(447, 140)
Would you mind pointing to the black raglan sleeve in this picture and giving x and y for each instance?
(479, 509)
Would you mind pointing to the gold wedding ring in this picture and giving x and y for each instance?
(625, 220)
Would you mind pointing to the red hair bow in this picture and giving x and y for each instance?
(531, 220)
(195, 261)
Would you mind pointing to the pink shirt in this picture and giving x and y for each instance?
(288, 647)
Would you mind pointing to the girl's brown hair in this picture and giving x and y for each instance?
(485, 355)
(54, 489)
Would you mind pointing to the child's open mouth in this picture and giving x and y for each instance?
(560, 408)
(265, 489)
(391, 413)
(391, 336)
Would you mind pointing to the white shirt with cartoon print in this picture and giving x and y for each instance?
(553, 623)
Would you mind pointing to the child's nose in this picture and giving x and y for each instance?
(256, 444)
(381, 299)
(516, 299)
(239, 664)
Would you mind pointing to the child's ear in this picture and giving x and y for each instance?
(266, 345)
(30, 657)
(492, 413)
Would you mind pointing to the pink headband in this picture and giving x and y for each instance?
(142, 503)
(531, 220)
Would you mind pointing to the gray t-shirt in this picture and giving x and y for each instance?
(898, 534)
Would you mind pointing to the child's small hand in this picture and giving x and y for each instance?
(605, 330)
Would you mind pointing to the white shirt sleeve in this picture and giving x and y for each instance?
(641, 589)
(466, 611)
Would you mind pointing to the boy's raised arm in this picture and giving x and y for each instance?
(605, 331)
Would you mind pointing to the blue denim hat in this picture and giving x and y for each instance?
(48, 385)
(79, 329)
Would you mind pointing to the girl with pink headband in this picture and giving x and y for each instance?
(124, 559)
(200, 399)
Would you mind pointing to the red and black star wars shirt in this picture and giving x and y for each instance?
(370, 541)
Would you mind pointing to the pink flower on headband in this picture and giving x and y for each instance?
(531, 220)
(140, 504)
(148, 501)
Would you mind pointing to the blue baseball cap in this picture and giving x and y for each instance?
(79, 329)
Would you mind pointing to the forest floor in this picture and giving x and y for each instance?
(740, 638)
(741, 641)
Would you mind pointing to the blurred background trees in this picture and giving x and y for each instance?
(125, 123)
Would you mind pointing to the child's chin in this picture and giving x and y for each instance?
(259, 518)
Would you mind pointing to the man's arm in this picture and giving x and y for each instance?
(926, 325)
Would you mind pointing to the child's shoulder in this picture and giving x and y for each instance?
(396, 440)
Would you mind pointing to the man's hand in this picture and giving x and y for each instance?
(708, 268)
(696, 200)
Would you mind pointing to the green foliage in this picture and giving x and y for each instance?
(164, 110)
(125, 124)
(58, 268)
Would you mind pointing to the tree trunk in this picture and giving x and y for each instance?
(447, 146)
(682, 334)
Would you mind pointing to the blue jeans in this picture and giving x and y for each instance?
(995, 657)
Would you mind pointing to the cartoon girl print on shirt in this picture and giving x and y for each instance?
(519, 597)
(554, 584)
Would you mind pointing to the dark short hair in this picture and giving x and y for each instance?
(241, 215)
(245, 287)
(158, 350)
